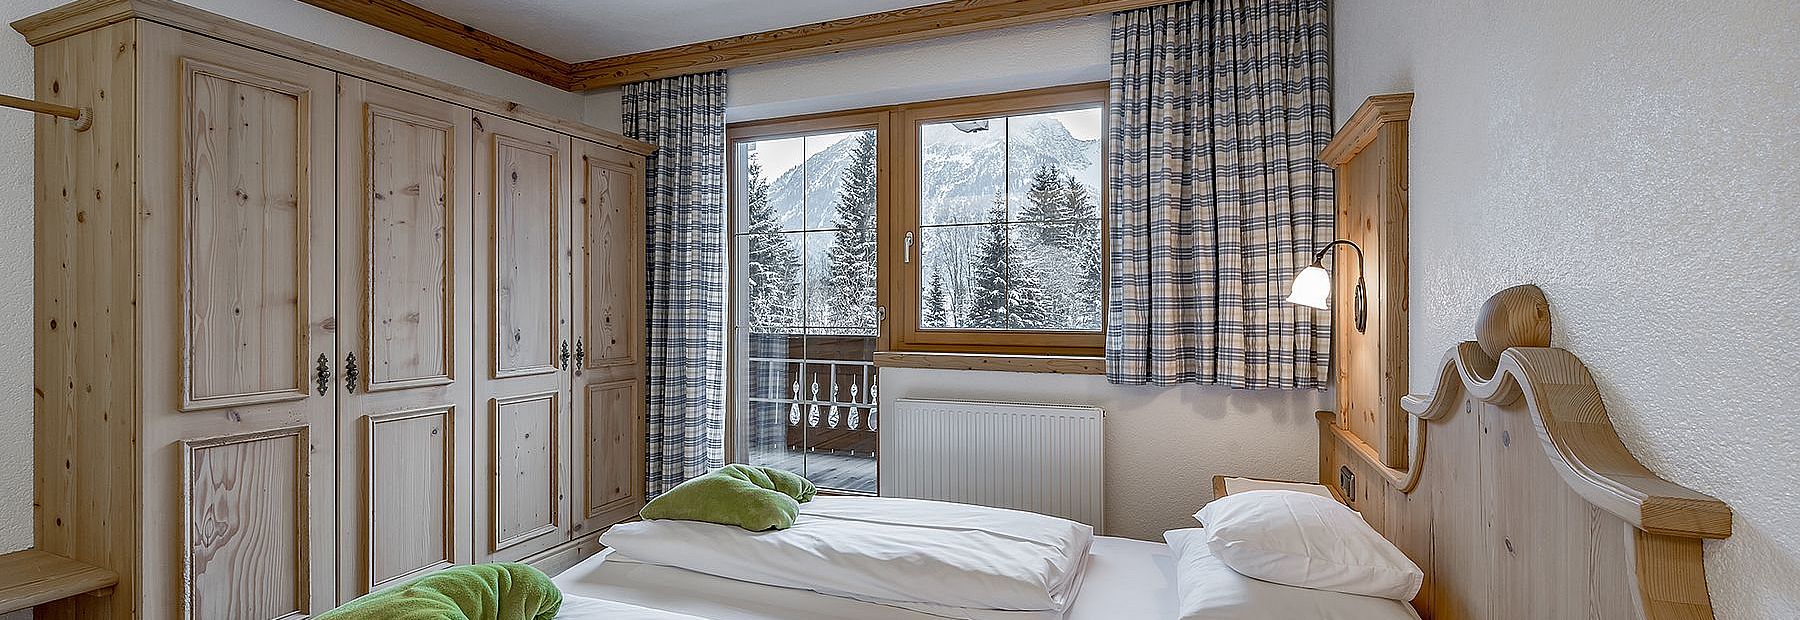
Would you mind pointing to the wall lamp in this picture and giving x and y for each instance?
(1312, 286)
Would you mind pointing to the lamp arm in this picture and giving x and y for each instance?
(1362, 312)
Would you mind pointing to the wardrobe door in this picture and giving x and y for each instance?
(522, 344)
(404, 260)
(237, 295)
(608, 294)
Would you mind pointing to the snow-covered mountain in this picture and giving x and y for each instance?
(960, 171)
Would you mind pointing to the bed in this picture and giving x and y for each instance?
(1124, 579)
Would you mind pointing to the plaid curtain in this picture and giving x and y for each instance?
(685, 118)
(1219, 110)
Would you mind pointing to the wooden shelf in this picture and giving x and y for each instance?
(30, 578)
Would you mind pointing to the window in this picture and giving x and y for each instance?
(962, 226)
(805, 200)
(1001, 235)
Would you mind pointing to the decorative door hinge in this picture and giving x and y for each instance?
(565, 354)
(350, 372)
(580, 353)
(322, 374)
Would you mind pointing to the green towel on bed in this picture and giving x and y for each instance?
(480, 592)
(750, 497)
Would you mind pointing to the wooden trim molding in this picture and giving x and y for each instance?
(1364, 126)
(905, 25)
(1061, 364)
(411, 21)
(839, 35)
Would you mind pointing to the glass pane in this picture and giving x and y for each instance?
(840, 180)
(1049, 156)
(1054, 275)
(839, 442)
(967, 264)
(769, 175)
(805, 261)
(770, 273)
(962, 170)
(840, 282)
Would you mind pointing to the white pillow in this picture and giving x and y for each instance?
(1304, 540)
(1209, 590)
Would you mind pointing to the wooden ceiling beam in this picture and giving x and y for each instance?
(410, 21)
(851, 33)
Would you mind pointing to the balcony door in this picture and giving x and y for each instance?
(806, 312)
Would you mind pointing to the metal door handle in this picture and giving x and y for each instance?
(322, 374)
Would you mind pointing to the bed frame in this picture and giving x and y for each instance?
(1524, 503)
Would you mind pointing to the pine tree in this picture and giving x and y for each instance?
(987, 294)
(773, 264)
(1045, 201)
(850, 287)
(1083, 241)
(936, 303)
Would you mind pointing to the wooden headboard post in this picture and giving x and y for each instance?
(1519, 499)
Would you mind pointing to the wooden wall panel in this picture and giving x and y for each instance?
(409, 245)
(613, 184)
(85, 387)
(246, 518)
(412, 472)
(613, 438)
(526, 267)
(526, 498)
(1369, 155)
(245, 263)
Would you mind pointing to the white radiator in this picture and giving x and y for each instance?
(1042, 458)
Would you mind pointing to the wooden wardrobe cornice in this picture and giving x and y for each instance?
(851, 33)
(85, 15)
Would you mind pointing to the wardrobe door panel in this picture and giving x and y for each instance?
(609, 301)
(246, 261)
(521, 187)
(236, 290)
(247, 525)
(405, 246)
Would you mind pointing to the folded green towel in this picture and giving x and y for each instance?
(502, 591)
(750, 497)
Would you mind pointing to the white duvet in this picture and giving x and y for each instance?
(886, 550)
(584, 608)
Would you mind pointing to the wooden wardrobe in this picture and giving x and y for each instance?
(308, 325)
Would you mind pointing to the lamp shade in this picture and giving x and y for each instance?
(1312, 288)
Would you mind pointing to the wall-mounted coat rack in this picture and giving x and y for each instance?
(83, 117)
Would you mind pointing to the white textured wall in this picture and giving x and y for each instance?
(1065, 52)
(287, 16)
(1640, 161)
(1163, 444)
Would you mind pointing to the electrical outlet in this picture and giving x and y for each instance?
(1347, 483)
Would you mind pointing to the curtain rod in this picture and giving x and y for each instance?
(82, 116)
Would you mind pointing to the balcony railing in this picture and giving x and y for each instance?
(813, 408)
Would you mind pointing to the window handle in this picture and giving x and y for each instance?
(907, 255)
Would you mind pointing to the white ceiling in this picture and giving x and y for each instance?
(577, 30)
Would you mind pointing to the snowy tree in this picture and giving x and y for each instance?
(850, 287)
(1084, 245)
(1045, 201)
(772, 263)
(936, 302)
(1005, 294)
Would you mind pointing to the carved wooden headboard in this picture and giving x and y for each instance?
(1518, 498)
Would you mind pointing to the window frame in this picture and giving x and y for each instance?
(902, 331)
(796, 126)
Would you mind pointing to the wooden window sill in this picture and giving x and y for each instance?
(1060, 364)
